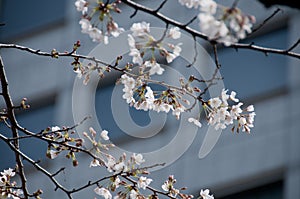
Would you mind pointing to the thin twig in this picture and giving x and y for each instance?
(161, 5)
(196, 53)
(65, 54)
(266, 20)
(294, 45)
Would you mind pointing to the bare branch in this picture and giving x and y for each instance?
(11, 116)
(161, 5)
(36, 165)
(266, 20)
(65, 54)
(294, 45)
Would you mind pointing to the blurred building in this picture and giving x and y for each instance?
(263, 164)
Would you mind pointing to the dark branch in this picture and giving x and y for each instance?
(36, 165)
(294, 45)
(196, 33)
(12, 118)
(65, 54)
(266, 20)
(161, 5)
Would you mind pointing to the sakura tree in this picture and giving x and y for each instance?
(127, 177)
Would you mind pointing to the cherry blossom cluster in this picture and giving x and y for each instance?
(224, 24)
(168, 186)
(220, 113)
(128, 179)
(62, 138)
(142, 97)
(102, 11)
(8, 188)
(142, 42)
(84, 71)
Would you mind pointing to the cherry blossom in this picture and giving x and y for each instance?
(55, 128)
(85, 25)
(97, 35)
(221, 114)
(133, 194)
(104, 135)
(228, 25)
(208, 6)
(9, 172)
(138, 158)
(140, 29)
(190, 3)
(81, 5)
(95, 163)
(103, 192)
(155, 68)
(205, 194)
(143, 182)
(195, 121)
(174, 33)
(52, 154)
(141, 42)
(136, 56)
(107, 24)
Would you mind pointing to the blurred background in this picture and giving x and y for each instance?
(263, 164)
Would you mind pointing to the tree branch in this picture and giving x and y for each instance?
(196, 33)
(11, 116)
(36, 165)
(65, 54)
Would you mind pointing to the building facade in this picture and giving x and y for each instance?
(263, 164)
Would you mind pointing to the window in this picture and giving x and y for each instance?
(24, 17)
(273, 190)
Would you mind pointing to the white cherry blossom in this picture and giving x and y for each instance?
(97, 35)
(215, 102)
(232, 96)
(138, 158)
(104, 135)
(55, 128)
(177, 111)
(81, 6)
(140, 29)
(85, 25)
(95, 163)
(195, 121)
(133, 194)
(9, 172)
(213, 28)
(174, 33)
(103, 192)
(205, 194)
(131, 41)
(250, 108)
(208, 6)
(143, 182)
(190, 3)
(154, 68)
(136, 56)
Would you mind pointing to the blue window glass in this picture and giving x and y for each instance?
(24, 17)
